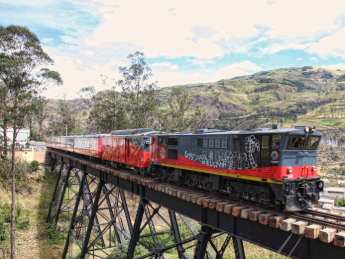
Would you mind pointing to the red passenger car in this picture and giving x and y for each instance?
(128, 147)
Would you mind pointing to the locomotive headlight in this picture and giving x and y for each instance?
(314, 168)
(320, 185)
(290, 170)
(307, 129)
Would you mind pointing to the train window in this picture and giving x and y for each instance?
(162, 142)
(217, 143)
(276, 141)
(199, 142)
(224, 143)
(211, 143)
(236, 145)
(173, 141)
(172, 154)
(204, 142)
(296, 141)
(216, 155)
(265, 142)
(313, 142)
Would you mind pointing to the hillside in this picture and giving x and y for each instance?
(293, 96)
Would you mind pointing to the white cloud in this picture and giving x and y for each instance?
(246, 65)
(279, 47)
(163, 66)
(299, 59)
(89, 53)
(313, 59)
(330, 46)
(340, 66)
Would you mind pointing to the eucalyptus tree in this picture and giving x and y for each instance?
(24, 74)
(106, 108)
(182, 113)
(140, 96)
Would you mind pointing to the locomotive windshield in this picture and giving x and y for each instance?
(296, 141)
(313, 142)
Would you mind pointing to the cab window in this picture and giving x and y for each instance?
(276, 141)
(296, 141)
(265, 142)
(313, 142)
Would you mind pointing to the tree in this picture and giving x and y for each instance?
(139, 96)
(65, 121)
(4, 117)
(22, 72)
(107, 110)
(41, 115)
(182, 113)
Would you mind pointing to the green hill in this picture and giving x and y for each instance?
(292, 96)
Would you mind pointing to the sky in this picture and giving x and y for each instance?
(184, 42)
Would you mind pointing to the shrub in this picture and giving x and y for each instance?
(30, 188)
(23, 223)
(34, 165)
(339, 202)
(120, 252)
(3, 234)
(51, 231)
(5, 212)
(22, 168)
(38, 178)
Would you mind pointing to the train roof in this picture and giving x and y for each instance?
(276, 130)
(132, 132)
(87, 136)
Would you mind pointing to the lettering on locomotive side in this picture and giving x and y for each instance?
(227, 159)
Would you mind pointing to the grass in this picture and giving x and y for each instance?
(31, 242)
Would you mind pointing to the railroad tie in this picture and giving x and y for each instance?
(220, 206)
(254, 215)
(339, 239)
(312, 231)
(236, 211)
(228, 208)
(275, 221)
(327, 235)
(245, 213)
(299, 227)
(286, 224)
(264, 219)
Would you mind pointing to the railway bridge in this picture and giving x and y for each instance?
(89, 205)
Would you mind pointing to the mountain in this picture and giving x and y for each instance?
(292, 96)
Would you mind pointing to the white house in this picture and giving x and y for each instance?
(22, 136)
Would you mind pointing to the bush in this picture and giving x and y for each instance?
(120, 252)
(339, 202)
(22, 169)
(5, 212)
(3, 234)
(34, 165)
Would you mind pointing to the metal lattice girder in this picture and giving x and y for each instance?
(203, 238)
(136, 228)
(56, 194)
(176, 232)
(238, 247)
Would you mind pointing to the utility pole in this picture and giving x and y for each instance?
(66, 127)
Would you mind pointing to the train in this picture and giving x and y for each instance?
(274, 167)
